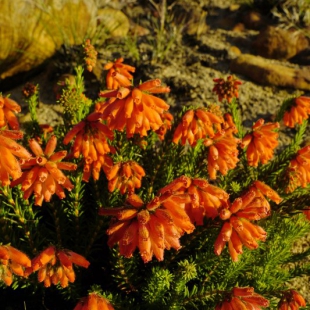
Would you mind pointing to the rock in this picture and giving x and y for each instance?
(279, 43)
(266, 72)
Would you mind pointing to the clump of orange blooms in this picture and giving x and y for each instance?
(56, 266)
(125, 176)
(243, 298)
(297, 112)
(90, 55)
(93, 302)
(237, 229)
(12, 261)
(226, 89)
(8, 108)
(42, 174)
(261, 142)
(291, 300)
(299, 170)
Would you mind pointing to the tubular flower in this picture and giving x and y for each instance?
(237, 229)
(93, 302)
(299, 170)
(91, 140)
(90, 55)
(134, 108)
(56, 266)
(119, 74)
(291, 300)
(162, 130)
(42, 174)
(298, 112)
(9, 150)
(226, 89)
(243, 298)
(153, 228)
(306, 212)
(8, 108)
(201, 198)
(12, 261)
(125, 176)
(195, 125)
(223, 152)
(261, 142)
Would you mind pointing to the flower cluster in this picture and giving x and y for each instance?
(152, 228)
(118, 74)
(134, 108)
(56, 266)
(237, 229)
(197, 124)
(90, 55)
(91, 139)
(125, 176)
(261, 142)
(298, 112)
(243, 298)
(93, 302)
(291, 300)
(12, 261)
(8, 108)
(226, 89)
(42, 174)
(299, 170)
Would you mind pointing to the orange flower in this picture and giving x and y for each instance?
(291, 300)
(42, 174)
(162, 130)
(261, 142)
(93, 302)
(223, 152)
(299, 170)
(226, 89)
(56, 266)
(197, 124)
(8, 108)
(118, 74)
(134, 108)
(12, 262)
(243, 298)
(91, 139)
(299, 111)
(90, 55)
(125, 176)
(237, 229)
(201, 199)
(306, 212)
(9, 150)
(152, 228)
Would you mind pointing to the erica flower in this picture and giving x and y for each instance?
(43, 174)
(152, 228)
(119, 74)
(90, 55)
(306, 212)
(125, 176)
(93, 302)
(223, 152)
(135, 108)
(201, 198)
(238, 230)
(56, 266)
(8, 108)
(261, 142)
(291, 300)
(298, 112)
(226, 89)
(243, 298)
(195, 125)
(167, 119)
(299, 170)
(12, 261)
(9, 150)
(91, 139)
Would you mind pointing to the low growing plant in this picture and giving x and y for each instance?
(127, 206)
